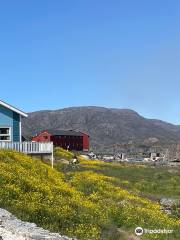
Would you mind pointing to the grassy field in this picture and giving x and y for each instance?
(63, 154)
(152, 182)
(92, 200)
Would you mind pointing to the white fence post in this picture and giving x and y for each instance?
(29, 147)
(52, 160)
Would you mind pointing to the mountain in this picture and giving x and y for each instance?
(106, 126)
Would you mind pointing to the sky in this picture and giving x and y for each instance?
(111, 53)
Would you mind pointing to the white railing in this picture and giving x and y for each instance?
(28, 147)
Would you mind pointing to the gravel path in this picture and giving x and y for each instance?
(13, 229)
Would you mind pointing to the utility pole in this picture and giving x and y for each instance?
(52, 157)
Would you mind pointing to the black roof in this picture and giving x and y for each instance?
(64, 132)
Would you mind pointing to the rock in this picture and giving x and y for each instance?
(13, 229)
(167, 202)
(167, 205)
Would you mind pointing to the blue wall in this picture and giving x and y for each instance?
(11, 119)
(16, 130)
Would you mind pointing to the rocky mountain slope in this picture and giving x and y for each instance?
(106, 126)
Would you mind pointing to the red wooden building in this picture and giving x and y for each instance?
(70, 139)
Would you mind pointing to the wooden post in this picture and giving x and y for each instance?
(52, 157)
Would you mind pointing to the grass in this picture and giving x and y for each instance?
(151, 182)
(63, 154)
(89, 201)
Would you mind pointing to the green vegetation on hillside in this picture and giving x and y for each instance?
(152, 182)
(63, 154)
(81, 203)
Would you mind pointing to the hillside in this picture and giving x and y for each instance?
(86, 204)
(105, 126)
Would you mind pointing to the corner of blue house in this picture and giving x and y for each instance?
(10, 123)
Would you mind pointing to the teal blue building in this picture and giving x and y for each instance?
(10, 123)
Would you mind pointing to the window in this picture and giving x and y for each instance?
(5, 134)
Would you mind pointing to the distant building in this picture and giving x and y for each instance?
(67, 139)
(85, 141)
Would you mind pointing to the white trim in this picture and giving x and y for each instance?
(13, 109)
(6, 135)
(20, 129)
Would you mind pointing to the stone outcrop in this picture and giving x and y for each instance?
(168, 204)
(13, 229)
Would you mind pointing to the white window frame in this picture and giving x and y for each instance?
(6, 135)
